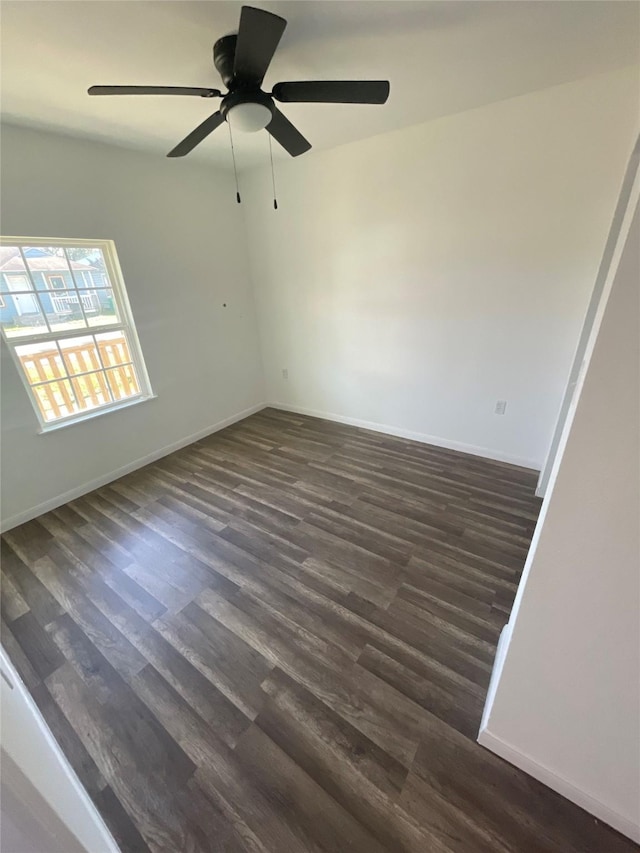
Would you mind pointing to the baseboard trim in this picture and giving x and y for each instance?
(423, 438)
(72, 494)
(560, 784)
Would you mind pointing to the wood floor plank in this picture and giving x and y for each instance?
(68, 740)
(98, 628)
(225, 659)
(321, 822)
(201, 694)
(279, 639)
(37, 597)
(120, 825)
(12, 602)
(456, 707)
(233, 793)
(143, 786)
(43, 655)
(18, 657)
(348, 765)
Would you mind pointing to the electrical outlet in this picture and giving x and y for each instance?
(501, 407)
(285, 373)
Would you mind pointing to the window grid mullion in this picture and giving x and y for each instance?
(102, 364)
(86, 320)
(64, 334)
(64, 367)
(75, 287)
(103, 368)
(72, 376)
(35, 289)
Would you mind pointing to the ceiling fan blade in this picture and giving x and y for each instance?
(154, 90)
(333, 91)
(196, 136)
(286, 134)
(258, 37)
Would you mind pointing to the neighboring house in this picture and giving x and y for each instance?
(54, 282)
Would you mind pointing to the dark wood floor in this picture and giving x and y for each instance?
(279, 639)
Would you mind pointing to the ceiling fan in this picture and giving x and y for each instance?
(242, 61)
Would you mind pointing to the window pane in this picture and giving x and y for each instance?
(14, 274)
(48, 267)
(41, 362)
(63, 310)
(100, 307)
(80, 354)
(89, 267)
(20, 315)
(114, 348)
(55, 400)
(91, 390)
(123, 382)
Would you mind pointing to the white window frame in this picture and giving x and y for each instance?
(126, 324)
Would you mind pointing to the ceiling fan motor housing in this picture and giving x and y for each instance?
(224, 52)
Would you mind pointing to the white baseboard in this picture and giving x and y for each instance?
(78, 491)
(542, 484)
(557, 783)
(424, 438)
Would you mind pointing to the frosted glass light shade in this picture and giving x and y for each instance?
(249, 117)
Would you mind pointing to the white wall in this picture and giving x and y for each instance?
(181, 243)
(566, 706)
(413, 279)
(591, 313)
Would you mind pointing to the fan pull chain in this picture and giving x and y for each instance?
(273, 174)
(235, 170)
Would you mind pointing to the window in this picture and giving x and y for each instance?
(56, 282)
(66, 319)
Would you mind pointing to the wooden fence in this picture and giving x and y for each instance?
(83, 366)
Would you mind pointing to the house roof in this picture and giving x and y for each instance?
(10, 261)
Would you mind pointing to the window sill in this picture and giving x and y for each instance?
(97, 413)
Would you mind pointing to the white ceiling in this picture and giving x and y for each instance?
(441, 58)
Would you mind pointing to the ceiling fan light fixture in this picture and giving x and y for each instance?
(248, 117)
(242, 61)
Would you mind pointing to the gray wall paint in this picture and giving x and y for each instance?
(180, 241)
